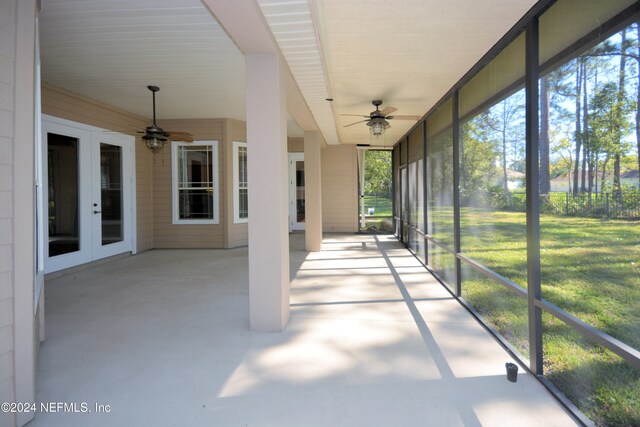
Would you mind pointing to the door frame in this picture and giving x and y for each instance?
(89, 138)
(100, 251)
(294, 225)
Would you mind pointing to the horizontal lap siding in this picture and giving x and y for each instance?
(153, 175)
(295, 145)
(339, 186)
(144, 197)
(339, 189)
(66, 105)
(7, 108)
(238, 235)
(167, 234)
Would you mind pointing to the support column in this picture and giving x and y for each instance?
(269, 196)
(532, 166)
(24, 208)
(361, 159)
(313, 191)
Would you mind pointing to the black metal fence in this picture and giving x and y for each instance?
(596, 205)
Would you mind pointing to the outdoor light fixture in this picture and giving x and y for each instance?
(377, 120)
(154, 142)
(154, 136)
(377, 126)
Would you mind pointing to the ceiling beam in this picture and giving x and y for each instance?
(245, 24)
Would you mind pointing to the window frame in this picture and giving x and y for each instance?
(175, 208)
(236, 183)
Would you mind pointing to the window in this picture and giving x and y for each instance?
(572, 251)
(195, 182)
(240, 189)
(439, 203)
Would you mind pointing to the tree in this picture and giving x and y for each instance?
(479, 154)
(586, 152)
(637, 58)
(564, 161)
(619, 112)
(591, 107)
(377, 173)
(610, 125)
(545, 178)
(625, 51)
(507, 123)
(578, 133)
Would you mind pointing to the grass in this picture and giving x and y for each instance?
(383, 206)
(381, 220)
(590, 268)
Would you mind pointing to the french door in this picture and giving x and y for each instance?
(296, 191)
(88, 192)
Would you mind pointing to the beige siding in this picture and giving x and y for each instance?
(295, 145)
(7, 106)
(237, 234)
(167, 234)
(339, 189)
(66, 105)
(144, 197)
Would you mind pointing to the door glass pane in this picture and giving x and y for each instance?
(62, 172)
(243, 188)
(111, 193)
(300, 191)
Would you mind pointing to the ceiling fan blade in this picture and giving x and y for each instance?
(354, 115)
(180, 136)
(388, 110)
(406, 117)
(361, 121)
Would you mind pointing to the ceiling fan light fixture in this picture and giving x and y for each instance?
(154, 136)
(154, 143)
(377, 127)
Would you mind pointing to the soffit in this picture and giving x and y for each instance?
(292, 25)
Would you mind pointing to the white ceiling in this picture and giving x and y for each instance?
(110, 50)
(406, 52)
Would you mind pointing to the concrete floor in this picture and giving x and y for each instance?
(374, 340)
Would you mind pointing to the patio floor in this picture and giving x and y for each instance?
(374, 340)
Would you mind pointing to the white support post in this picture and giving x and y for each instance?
(24, 208)
(313, 191)
(361, 165)
(269, 197)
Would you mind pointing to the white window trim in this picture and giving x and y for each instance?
(174, 183)
(236, 184)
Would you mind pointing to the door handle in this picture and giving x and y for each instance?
(96, 212)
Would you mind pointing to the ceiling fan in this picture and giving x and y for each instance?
(154, 136)
(378, 120)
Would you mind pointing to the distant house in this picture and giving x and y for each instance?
(630, 178)
(515, 179)
(560, 184)
(563, 183)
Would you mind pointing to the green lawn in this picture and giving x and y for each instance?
(383, 206)
(590, 268)
(381, 220)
